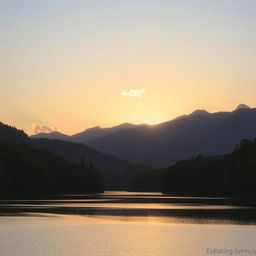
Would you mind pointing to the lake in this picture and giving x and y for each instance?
(125, 223)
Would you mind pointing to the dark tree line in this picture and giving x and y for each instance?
(26, 172)
(8, 133)
(225, 175)
(114, 172)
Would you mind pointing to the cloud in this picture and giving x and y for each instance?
(137, 93)
(42, 128)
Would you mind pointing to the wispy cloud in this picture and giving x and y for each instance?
(137, 93)
(42, 128)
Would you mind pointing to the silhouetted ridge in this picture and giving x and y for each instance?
(242, 106)
(115, 171)
(8, 133)
(98, 132)
(73, 152)
(164, 144)
(52, 135)
(200, 112)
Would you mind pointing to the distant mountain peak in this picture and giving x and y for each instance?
(94, 128)
(49, 133)
(55, 135)
(242, 106)
(125, 125)
(199, 112)
(55, 132)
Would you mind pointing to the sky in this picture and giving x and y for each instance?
(70, 65)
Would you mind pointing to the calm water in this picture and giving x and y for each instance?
(122, 223)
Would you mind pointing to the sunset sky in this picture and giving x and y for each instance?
(71, 65)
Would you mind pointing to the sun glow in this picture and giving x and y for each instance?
(135, 62)
(152, 122)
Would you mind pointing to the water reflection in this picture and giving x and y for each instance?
(135, 206)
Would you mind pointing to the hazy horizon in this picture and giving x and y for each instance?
(44, 128)
(80, 64)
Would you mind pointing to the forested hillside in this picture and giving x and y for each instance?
(26, 172)
(224, 175)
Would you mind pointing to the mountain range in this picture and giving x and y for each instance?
(72, 151)
(163, 144)
(115, 171)
(88, 134)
